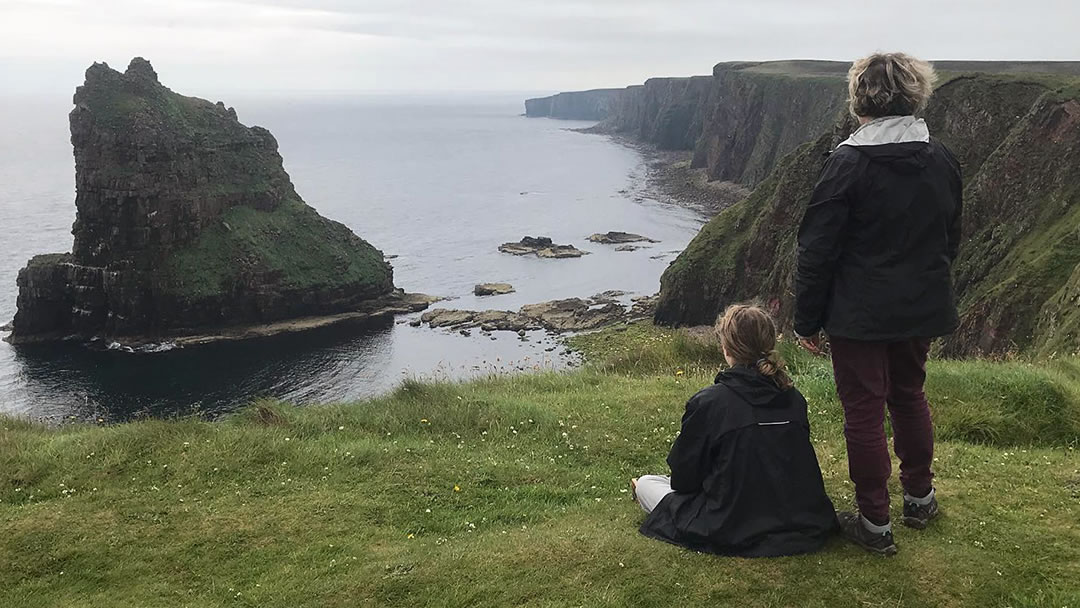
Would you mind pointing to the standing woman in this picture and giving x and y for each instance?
(875, 256)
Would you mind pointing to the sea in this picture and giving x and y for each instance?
(435, 182)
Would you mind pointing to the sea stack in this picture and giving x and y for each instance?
(186, 221)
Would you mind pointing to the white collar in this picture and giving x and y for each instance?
(889, 130)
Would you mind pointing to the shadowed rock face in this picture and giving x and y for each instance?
(153, 168)
(186, 219)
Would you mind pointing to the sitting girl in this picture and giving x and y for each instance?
(744, 477)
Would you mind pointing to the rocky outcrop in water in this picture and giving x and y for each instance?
(572, 314)
(186, 220)
(542, 247)
(617, 238)
(492, 289)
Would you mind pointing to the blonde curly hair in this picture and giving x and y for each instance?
(889, 84)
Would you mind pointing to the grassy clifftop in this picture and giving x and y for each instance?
(1017, 137)
(510, 491)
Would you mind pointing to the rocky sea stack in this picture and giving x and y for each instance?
(186, 222)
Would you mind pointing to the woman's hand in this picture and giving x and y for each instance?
(812, 344)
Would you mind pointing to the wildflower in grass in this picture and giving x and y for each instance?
(457, 488)
(411, 536)
(679, 372)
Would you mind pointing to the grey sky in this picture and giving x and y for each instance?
(216, 47)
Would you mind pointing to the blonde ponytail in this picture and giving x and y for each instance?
(748, 335)
(772, 365)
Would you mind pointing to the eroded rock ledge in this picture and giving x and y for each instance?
(572, 314)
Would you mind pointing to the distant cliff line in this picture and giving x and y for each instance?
(575, 105)
(740, 121)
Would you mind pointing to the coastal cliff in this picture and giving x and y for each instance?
(186, 220)
(741, 120)
(1018, 273)
(667, 112)
(575, 105)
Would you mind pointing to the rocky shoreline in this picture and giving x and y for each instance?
(670, 179)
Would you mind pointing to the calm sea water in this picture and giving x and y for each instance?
(438, 183)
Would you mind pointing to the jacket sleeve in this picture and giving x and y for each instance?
(820, 240)
(689, 458)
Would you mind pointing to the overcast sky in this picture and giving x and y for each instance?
(215, 47)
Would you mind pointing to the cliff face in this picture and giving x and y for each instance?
(576, 105)
(186, 219)
(758, 113)
(668, 112)
(1018, 274)
(738, 122)
(746, 116)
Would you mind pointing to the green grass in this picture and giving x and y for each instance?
(510, 491)
(291, 246)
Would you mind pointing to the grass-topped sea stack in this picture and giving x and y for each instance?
(187, 221)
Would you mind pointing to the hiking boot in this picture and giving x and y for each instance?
(851, 526)
(917, 516)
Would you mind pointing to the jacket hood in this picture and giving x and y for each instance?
(889, 130)
(751, 385)
(902, 141)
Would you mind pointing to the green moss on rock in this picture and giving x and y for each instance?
(291, 247)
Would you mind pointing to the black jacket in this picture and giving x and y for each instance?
(877, 243)
(745, 475)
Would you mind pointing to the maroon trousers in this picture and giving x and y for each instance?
(870, 377)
